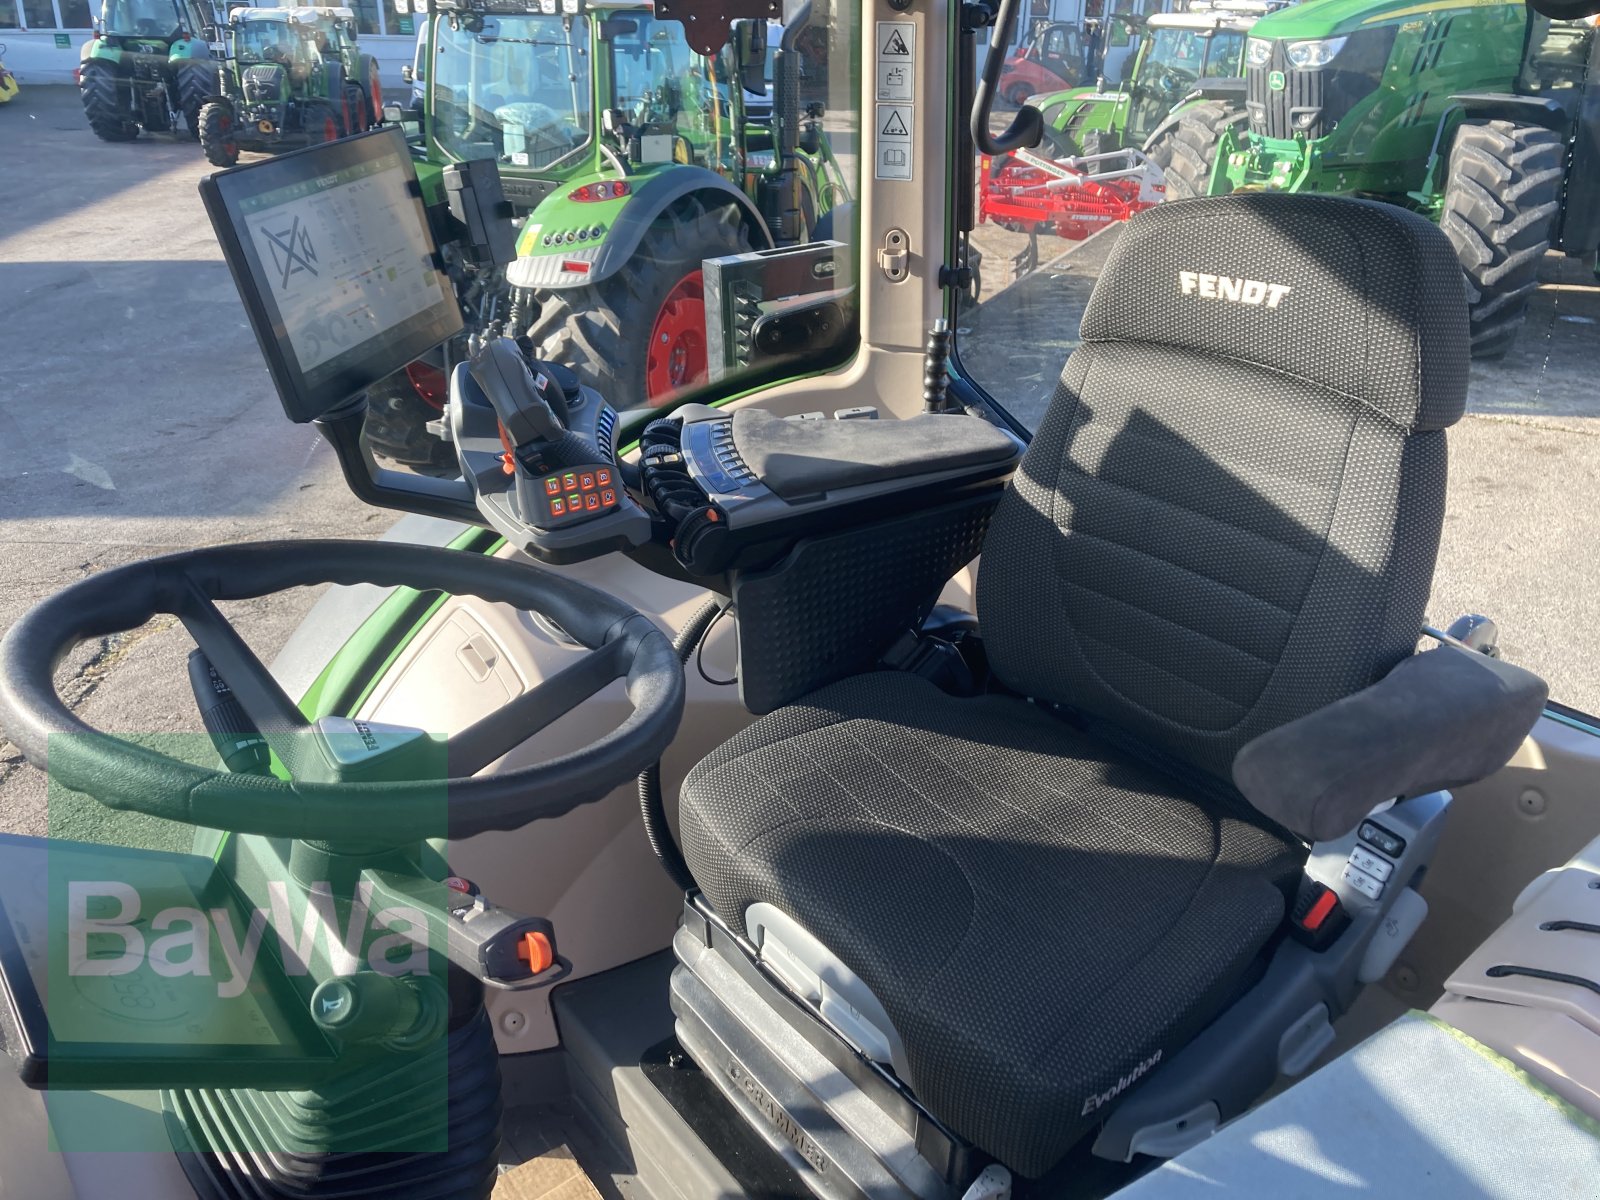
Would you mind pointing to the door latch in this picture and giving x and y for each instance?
(894, 256)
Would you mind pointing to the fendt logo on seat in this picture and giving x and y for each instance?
(1236, 291)
(1122, 1085)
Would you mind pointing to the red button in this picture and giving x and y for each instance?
(1318, 912)
(608, 497)
(603, 477)
(558, 507)
(591, 502)
(552, 486)
(586, 481)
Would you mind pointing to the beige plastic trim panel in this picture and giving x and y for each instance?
(1549, 1027)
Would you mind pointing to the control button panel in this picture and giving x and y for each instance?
(1365, 860)
(1381, 839)
(715, 462)
(574, 495)
(1369, 887)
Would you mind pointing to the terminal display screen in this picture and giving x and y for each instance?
(337, 268)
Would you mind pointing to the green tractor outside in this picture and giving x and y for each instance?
(148, 67)
(1466, 112)
(631, 158)
(292, 77)
(1185, 60)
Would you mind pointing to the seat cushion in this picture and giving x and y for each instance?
(1042, 916)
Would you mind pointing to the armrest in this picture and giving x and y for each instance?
(1440, 719)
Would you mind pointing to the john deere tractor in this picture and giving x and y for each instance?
(1184, 59)
(148, 66)
(293, 77)
(1468, 112)
(631, 159)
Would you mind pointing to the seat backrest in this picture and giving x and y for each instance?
(1230, 512)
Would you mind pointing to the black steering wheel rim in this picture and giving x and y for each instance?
(124, 775)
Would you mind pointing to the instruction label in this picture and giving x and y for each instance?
(896, 61)
(894, 140)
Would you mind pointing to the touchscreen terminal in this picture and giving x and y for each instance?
(333, 258)
(115, 974)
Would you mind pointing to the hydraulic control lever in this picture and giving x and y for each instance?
(530, 404)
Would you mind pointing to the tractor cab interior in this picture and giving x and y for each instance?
(827, 784)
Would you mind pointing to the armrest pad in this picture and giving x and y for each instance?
(1440, 719)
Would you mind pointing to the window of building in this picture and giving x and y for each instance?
(39, 14)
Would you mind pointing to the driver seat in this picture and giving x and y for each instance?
(1227, 520)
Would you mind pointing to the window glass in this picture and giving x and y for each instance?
(39, 14)
(399, 24)
(515, 89)
(75, 14)
(366, 15)
(586, 116)
(1359, 100)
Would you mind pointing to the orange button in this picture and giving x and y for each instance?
(569, 480)
(603, 477)
(608, 497)
(552, 486)
(534, 949)
(586, 481)
(591, 502)
(558, 507)
(574, 500)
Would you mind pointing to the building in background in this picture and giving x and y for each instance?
(43, 37)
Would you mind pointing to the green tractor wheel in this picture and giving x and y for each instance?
(196, 83)
(640, 335)
(217, 137)
(1500, 203)
(101, 92)
(1195, 141)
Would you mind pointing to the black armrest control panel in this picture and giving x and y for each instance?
(738, 490)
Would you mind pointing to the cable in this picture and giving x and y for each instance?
(652, 808)
(700, 655)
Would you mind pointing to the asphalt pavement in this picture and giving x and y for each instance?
(136, 418)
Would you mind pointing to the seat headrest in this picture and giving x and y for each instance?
(1359, 297)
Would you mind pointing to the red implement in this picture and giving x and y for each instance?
(1071, 197)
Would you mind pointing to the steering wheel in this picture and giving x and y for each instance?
(348, 780)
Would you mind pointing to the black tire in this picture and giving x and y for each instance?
(218, 139)
(1056, 144)
(1016, 95)
(1097, 141)
(396, 428)
(372, 93)
(604, 331)
(196, 83)
(322, 122)
(1501, 199)
(1158, 148)
(101, 92)
(1196, 139)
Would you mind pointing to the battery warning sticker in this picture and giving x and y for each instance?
(896, 61)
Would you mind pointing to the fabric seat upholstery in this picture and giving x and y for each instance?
(1227, 519)
(1017, 894)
